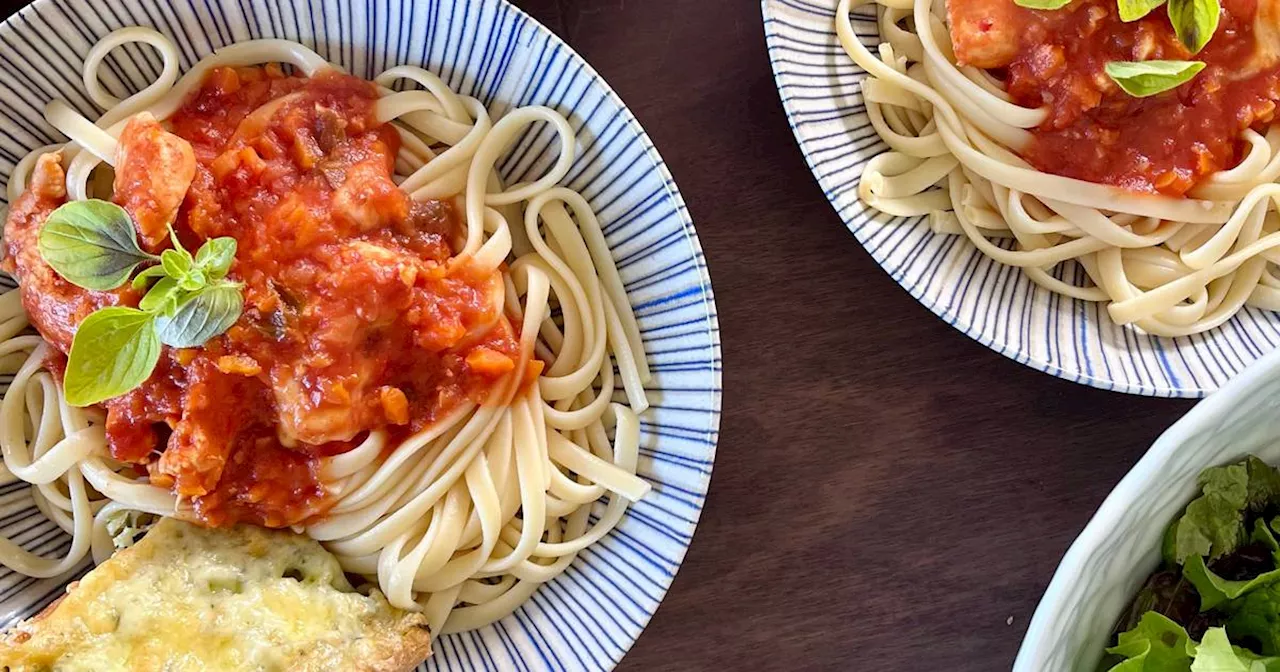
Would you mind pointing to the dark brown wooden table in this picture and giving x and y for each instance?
(888, 494)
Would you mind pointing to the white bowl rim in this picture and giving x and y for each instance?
(1140, 479)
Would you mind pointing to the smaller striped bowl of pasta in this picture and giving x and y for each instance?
(1085, 186)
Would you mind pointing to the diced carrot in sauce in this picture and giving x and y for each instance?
(394, 405)
(492, 363)
(240, 365)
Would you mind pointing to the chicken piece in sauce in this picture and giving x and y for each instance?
(56, 307)
(154, 169)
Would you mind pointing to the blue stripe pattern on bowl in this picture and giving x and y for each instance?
(996, 305)
(590, 616)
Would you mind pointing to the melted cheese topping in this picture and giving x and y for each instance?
(189, 598)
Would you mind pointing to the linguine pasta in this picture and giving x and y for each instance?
(467, 517)
(1171, 266)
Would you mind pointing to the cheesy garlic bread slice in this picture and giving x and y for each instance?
(188, 598)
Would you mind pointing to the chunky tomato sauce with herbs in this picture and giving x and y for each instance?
(1165, 143)
(358, 315)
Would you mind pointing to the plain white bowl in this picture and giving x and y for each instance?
(1120, 546)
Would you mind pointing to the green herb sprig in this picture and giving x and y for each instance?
(92, 244)
(1147, 78)
(1194, 22)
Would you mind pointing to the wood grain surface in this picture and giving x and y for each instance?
(888, 494)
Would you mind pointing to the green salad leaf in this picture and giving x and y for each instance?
(1263, 485)
(1213, 524)
(1256, 616)
(1232, 571)
(1216, 654)
(92, 244)
(1215, 590)
(1156, 644)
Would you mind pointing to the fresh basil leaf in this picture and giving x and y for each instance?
(193, 280)
(215, 256)
(1157, 643)
(179, 265)
(1215, 590)
(114, 350)
(140, 280)
(176, 262)
(1042, 4)
(1194, 21)
(162, 298)
(201, 316)
(91, 244)
(1132, 10)
(1147, 78)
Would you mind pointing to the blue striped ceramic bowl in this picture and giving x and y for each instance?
(995, 304)
(589, 617)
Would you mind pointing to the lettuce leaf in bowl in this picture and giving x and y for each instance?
(1216, 654)
(1157, 644)
(1213, 524)
(1256, 617)
(1219, 583)
(1214, 589)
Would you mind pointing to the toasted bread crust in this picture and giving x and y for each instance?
(399, 649)
(131, 613)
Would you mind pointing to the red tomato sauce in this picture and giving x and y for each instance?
(358, 315)
(1165, 143)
